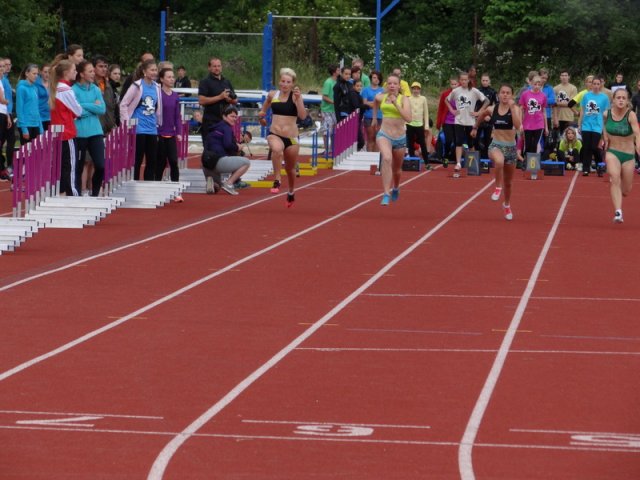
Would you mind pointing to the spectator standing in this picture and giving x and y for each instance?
(327, 111)
(101, 69)
(10, 131)
(473, 72)
(170, 130)
(534, 124)
(42, 86)
(463, 102)
(75, 53)
(404, 85)
(358, 62)
(221, 142)
(563, 116)
(27, 105)
(215, 93)
(620, 83)
(342, 95)
(418, 127)
(142, 102)
(483, 134)
(592, 108)
(551, 97)
(114, 81)
(356, 101)
(64, 109)
(635, 100)
(90, 135)
(145, 57)
(5, 123)
(445, 124)
(368, 97)
(182, 81)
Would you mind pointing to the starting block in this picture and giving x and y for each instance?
(472, 160)
(552, 168)
(533, 165)
(411, 164)
(485, 165)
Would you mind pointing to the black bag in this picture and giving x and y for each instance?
(209, 159)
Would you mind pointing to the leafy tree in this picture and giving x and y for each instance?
(27, 33)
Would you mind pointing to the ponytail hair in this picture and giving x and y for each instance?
(57, 72)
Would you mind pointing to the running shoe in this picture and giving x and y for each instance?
(385, 200)
(445, 162)
(395, 194)
(617, 218)
(508, 214)
(291, 198)
(178, 199)
(239, 185)
(276, 186)
(229, 189)
(458, 167)
(585, 174)
(519, 164)
(495, 196)
(210, 185)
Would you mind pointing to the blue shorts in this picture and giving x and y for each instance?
(396, 143)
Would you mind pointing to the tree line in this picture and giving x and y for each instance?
(430, 40)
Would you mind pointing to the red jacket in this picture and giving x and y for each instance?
(442, 108)
(67, 109)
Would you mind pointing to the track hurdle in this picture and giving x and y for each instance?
(345, 138)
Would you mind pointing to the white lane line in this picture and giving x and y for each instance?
(571, 432)
(162, 461)
(329, 439)
(465, 462)
(391, 330)
(499, 297)
(180, 291)
(463, 350)
(155, 237)
(584, 337)
(291, 422)
(105, 415)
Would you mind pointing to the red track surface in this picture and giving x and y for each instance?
(388, 381)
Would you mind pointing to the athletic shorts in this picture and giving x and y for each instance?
(508, 151)
(622, 157)
(396, 143)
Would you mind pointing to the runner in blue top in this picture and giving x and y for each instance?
(592, 107)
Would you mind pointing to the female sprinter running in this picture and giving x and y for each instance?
(286, 106)
(620, 131)
(391, 138)
(505, 118)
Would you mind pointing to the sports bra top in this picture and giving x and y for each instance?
(286, 108)
(389, 110)
(501, 122)
(621, 128)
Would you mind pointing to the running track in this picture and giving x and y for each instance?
(228, 337)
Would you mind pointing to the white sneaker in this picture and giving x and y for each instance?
(508, 214)
(579, 167)
(617, 218)
(495, 196)
(210, 186)
(229, 189)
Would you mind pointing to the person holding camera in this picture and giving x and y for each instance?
(222, 154)
(215, 93)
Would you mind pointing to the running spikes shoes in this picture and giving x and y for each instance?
(395, 194)
(495, 196)
(385, 200)
(276, 186)
(508, 214)
(291, 198)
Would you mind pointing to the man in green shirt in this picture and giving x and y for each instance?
(327, 110)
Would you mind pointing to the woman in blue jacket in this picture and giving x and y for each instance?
(27, 105)
(42, 86)
(90, 135)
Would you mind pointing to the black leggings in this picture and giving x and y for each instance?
(532, 140)
(416, 134)
(147, 148)
(67, 168)
(33, 133)
(167, 151)
(590, 141)
(9, 138)
(95, 146)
